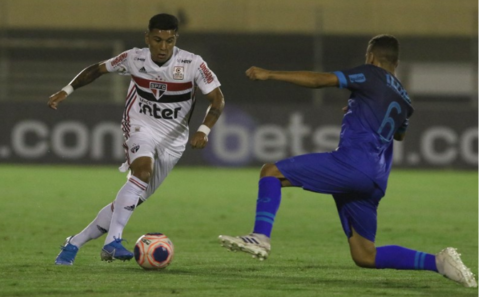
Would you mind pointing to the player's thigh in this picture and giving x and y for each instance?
(359, 213)
(323, 173)
(163, 164)
(142, 168)
(271, 170)
(362, 250)
(138, 145)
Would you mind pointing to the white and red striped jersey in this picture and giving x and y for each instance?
(162, 98)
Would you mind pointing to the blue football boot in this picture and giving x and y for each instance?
(68, 253)
(115, 251)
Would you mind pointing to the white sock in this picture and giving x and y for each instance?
(124, 205)
(96, 228)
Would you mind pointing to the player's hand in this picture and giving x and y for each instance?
(256, 73)
(56, 98)
(345, 109)
(199, 140)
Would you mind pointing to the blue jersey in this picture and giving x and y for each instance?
(378, 108)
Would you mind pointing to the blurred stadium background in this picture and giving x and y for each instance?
(45, 43)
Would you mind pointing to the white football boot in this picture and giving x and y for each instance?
(451, 266)
(258, 245)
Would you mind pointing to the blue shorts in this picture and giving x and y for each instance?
(356, 195)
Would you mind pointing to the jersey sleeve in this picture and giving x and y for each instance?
(119, 64)
(205, 79)
(352, 79)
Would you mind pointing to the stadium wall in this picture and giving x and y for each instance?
(262, 121)
(401, 17)
(246, 135)
(436, 70)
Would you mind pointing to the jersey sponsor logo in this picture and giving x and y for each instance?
(119, 59)
(139, 59)
(158, 89)
(178, 72)
(206, 73)
(152, 109)
(143, 70)
(357, 78)
(184, 61)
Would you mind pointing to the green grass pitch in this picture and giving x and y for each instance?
(41, 205)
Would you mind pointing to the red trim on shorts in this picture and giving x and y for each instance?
(133, 181)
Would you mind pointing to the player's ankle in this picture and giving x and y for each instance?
(261, 236)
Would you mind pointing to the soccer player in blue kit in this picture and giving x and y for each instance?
(356, 173)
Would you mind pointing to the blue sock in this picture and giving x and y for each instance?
(397, 257)
(268, 202)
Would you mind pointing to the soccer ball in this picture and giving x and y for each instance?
(153, 251)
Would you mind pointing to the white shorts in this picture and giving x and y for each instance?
(141, 144)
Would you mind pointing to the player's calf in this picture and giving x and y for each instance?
(362, 250)
(364, 261)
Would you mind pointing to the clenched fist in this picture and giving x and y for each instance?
(256, 73)
(56, 98)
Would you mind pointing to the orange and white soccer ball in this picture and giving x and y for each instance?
(153, 251)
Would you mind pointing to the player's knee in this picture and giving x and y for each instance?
(142, 168)
(364, 259)
(363, 250)
(269, 169)
(364, 263)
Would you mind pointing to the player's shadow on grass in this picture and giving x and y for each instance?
(330, 275)
(341, 280)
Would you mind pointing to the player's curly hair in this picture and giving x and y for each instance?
(385, 47)
(163, 21)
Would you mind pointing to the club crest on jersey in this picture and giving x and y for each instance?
(178, 72)
(135, 148)
(158, 89)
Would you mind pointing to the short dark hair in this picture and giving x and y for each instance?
(385, 47)
(163, 21)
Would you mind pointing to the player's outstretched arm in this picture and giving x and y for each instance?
(302, 78)
(217, 102)
(85, 77)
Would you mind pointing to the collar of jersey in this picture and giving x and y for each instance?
(150, 66)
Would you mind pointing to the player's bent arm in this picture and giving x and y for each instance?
(200, 138)
(217, 103)
(89, 74)
(85, 77)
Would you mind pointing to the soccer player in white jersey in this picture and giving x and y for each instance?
(158, 107)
